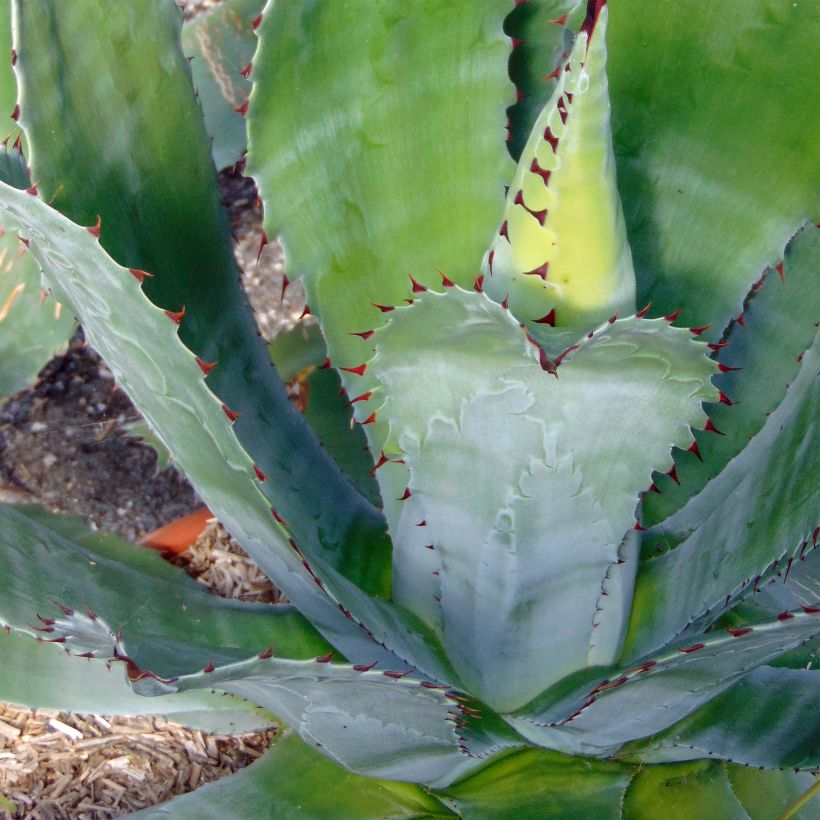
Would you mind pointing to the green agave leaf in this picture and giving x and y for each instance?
(738, 530)
(293, 782)
(535, 783)
(376, 723)
(769, 718)
(171, 622)
(116, 132)
(369, 197)
(39, 676)
(300, 353)
(221, 42)
(118, 319)
(770, 795)
(330, 416)
(539, 45)
(681, 792)
(13, 168)
(297, 349)
(796, 585)
(765, 347)
(8, 85)
(565, 480)
(694, 141)
(33, 327)
(561, 258)
(645, 699)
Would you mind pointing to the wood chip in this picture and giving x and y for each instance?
(68, 731)
(135, 763)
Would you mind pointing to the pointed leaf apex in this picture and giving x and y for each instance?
(94, 230)
(710, 427)
(176, 316)
(205, 367)
(140, 275)
(231, 414)
(417, 286)
(259, 474)
(549, 319)
(278, 518)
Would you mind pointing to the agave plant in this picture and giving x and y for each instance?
(564, 565)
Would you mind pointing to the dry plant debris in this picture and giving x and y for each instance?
(58, 765)
(217, 561)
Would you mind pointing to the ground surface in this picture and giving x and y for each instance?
(65, 444)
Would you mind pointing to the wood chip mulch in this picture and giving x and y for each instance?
(59, 765)
(217, 561)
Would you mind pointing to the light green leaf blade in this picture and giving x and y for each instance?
(738, 529)
(762, 358)
(360, 193)
(534, 783)
(769, 718)
(294, 782)
(221, 42)
(682, 792)
(645, 699)
(116, 133)
(698, 93)
(39, 676)
(561, 258)
(474, 401)
(171, 622)
(378, 723)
